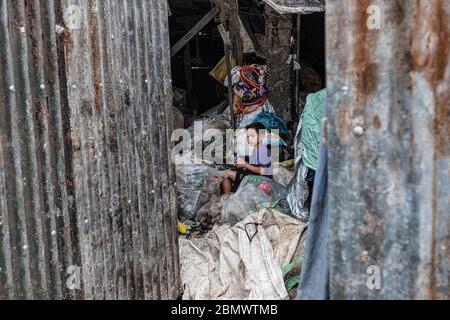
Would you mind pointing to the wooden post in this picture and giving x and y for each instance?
(188, 77)
(235, 32)
(194, 30)
(296, 111)
(279, 78)
(228, 64)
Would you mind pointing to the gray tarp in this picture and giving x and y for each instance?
(314, 278)
(312, 128)
(241, 262)
(298, 193)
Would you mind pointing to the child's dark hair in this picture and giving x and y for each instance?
(257, 126)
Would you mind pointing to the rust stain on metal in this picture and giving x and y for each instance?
(399, 79)
(377, 122)
(88, 151)
(96, 63)
(430, 45)
(344, 122)
(68, 43)
(442, 128)
(363, 67)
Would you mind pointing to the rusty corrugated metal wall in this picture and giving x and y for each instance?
(85, 176)
(389, 155)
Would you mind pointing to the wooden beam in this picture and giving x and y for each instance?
(227, 49)
(195, 29)
(221, 2)
(278, 47)
(235, 32)
(188, 76)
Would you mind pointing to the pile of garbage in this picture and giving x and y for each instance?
(307, 145)
(253, 260)
(248, 244)
(197, 184)
(255, 193)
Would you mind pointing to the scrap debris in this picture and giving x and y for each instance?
(243, 262)
(248, 244)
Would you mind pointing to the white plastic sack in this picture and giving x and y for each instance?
(283, 176)
(254, 192)
(241, 262)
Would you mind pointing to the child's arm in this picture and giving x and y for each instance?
(249, 167)
(253, 169)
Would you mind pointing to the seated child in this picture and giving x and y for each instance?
(260, 161)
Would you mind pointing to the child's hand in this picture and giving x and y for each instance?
(241, 164)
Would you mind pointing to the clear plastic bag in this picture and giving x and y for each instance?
(298, 193)
(254, 193)
(196, 185)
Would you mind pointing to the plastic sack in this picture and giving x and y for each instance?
(249, 84)
(254, 193)
(244, 120)
(298, 193)
(220, 71)
(196, 185)
(272, 139)
(271, 121)
(283, 176)
(312, 128)
(242, 262)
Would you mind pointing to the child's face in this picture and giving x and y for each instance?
(253, 137)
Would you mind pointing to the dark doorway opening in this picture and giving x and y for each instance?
(192, 64)
(312, 44)
(196, 91)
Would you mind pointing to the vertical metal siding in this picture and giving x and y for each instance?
(389, 200)
(85, 176)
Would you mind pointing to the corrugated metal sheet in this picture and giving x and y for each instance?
(85, 176)
(297, 6)
(389, 186)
